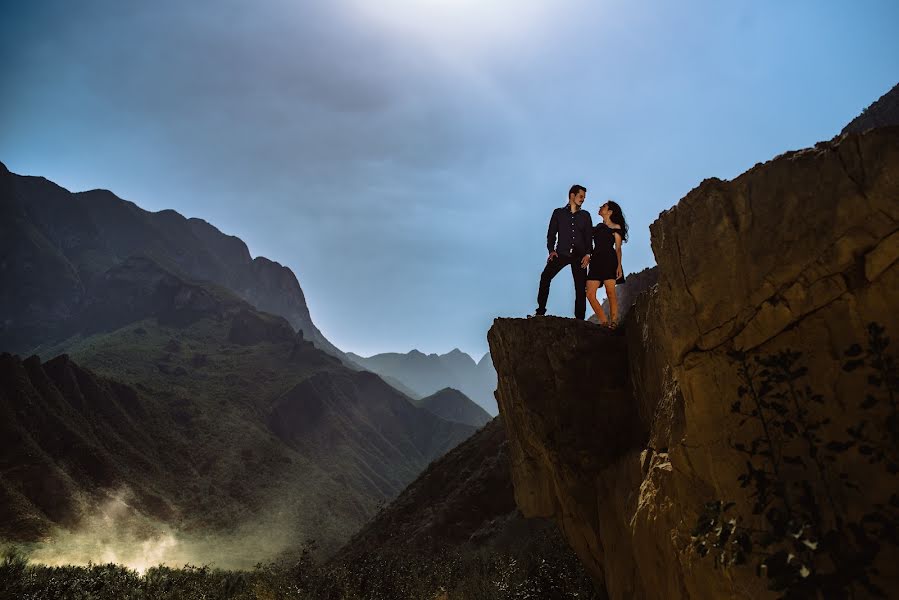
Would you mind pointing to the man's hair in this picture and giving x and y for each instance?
(575, 189)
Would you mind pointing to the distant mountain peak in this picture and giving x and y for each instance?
(97, 192)
(425, 374)
(452, 405)
(76, 237)
(448, 390)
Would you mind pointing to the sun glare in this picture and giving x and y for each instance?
(467, 24)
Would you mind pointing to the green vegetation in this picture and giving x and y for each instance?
(373, 576)
(821, 477)
(201, 414)
(221, 437)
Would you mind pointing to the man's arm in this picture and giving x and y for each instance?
(551, 233)
(588, 234)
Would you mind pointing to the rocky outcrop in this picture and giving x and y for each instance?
(882, 113)
(791, 237)
(565, 397)
(622, 439)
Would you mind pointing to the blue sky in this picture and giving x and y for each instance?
(403, 156)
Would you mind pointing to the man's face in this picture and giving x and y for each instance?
(579, 198)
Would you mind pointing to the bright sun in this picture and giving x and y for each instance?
(467, 24)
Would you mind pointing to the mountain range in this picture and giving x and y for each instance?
(424, 374)
(149, 363)
(456, 407)
(56, 247)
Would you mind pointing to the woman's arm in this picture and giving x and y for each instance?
(618, 252)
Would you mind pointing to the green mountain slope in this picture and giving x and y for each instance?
(209, 413)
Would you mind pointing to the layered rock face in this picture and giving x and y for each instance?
(622, 439)
(564, 395)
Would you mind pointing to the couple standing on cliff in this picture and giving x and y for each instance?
(573, 240)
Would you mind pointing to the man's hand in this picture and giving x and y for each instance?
(619, 273)
(552, 255)
(585, 261)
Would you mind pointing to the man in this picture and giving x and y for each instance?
(569, 241)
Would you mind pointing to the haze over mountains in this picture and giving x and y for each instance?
(168, 379)
(455, 406)
(425, 374)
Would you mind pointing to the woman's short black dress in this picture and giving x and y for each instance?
(604, 260)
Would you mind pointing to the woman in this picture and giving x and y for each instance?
(605, 262)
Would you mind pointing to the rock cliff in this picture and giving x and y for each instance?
(622, 437)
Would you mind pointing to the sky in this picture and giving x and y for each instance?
(403, 157)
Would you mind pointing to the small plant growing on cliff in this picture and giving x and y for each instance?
(800, 534)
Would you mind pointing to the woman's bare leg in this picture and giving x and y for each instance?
(613, 300)
(592, 288)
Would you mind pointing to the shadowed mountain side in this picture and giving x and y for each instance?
(193, 420)
(393, 381)
(330, 416)
(140, 288)
(455, 406)
(56, 246)
(426, 374)
(65, 432)
(463, 499)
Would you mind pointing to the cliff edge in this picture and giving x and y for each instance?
(622, 438)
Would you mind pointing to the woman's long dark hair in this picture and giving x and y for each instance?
(617, 217)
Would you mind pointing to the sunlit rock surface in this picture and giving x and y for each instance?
(622, 437)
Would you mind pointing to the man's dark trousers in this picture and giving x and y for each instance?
(580, 283)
